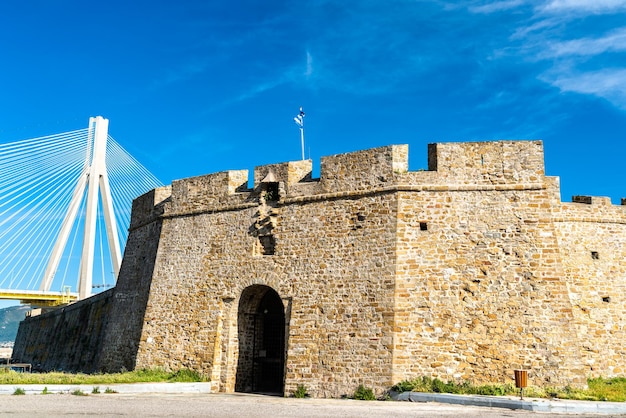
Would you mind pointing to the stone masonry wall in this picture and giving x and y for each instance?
(331, 266)
(66, 339)
(591, 234)
(480, 289)
(494, 273)
(465, 272)
(472, 250)
(120, 341)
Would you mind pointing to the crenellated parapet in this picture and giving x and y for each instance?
(363, 170)
(591, 209)
(496, 165)
(495, 162)
(500, 162)
(149, 206)
(217, 190)
(289, 174)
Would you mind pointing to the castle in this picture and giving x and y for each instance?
(370, 275)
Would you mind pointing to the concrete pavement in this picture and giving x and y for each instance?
(561, 406)
(553, 406)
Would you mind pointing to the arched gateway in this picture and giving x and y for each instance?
(261, 331)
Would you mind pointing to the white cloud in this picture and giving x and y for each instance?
(613, 42)
(289, 75)
(609, 83)
(497, 6)
(309, 65)
(584, 6)
(574, 56)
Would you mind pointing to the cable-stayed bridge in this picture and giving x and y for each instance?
(65, 203)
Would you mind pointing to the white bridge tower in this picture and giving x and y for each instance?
(94, 181)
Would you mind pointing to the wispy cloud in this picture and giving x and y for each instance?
(370, 49)
(568, 50)
(260, 88)
(181, 73)
(612, 42)
(583, 6)
(309, 65)
(497, 6)
(291, 75)
(609, 84)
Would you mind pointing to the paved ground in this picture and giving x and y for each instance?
(5, 353)
(235, 405)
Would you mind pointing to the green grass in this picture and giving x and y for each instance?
(138, 376)
(599, 389)
(608, 389)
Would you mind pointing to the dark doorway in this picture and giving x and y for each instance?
(261, 330)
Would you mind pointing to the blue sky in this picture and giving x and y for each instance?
(193, 87)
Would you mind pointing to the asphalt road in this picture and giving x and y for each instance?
(233, 405)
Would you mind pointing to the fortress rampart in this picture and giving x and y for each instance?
(369, 275)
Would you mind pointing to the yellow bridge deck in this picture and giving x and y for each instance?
(39, 298)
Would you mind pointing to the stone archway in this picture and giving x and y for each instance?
(261, 332)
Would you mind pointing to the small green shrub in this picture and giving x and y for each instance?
(439, 387)
(364, 394)
(79, 392)
(19, 391)
(300, 392)
(404, 386)
(45, 391)
(95, 390)
(109, 390)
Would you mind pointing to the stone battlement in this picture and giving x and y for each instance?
(499, 165)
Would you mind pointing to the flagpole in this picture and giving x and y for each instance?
(302, 140)
(300, 122)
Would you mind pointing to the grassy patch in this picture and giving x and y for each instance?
(138, 376)
(608, 389)
(185, 375)
(599, 389)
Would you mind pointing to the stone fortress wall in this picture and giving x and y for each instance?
(369, 275)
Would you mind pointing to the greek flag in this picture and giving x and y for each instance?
(300, 118)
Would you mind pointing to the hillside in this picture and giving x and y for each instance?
(9, 322)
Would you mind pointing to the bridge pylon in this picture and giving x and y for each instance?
(94, 181)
